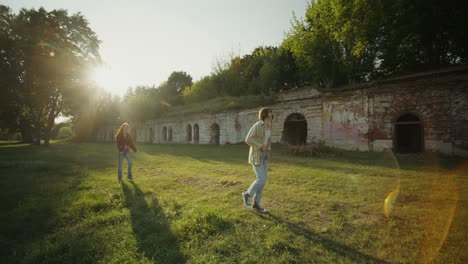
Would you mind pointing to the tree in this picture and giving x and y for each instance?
(322, 47)
(342, 42)
(423, 35)
(53, 51)
(10, 72)
(202, 90)
(94, 109)
(171, 90)
(143, 103)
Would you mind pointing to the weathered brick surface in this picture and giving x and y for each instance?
(346, 122)
(355, 118)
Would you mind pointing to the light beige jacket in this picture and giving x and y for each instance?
(255, 140)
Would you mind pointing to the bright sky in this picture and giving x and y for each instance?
(143, 41)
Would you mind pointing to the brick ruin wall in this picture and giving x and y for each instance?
(351, 118)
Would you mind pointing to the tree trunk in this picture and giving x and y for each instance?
(37, 139)
(47, 130)
(47, 133)
(53, 113)
(37, 133)
(46, 137)
(26, 132)
(26, 135)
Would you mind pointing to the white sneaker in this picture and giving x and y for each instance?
(245, 199)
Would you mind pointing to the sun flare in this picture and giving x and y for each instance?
(105, 78)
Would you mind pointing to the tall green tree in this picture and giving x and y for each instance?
(423, 35)
(93, 108)
(143, 103)
(265, 71)
(171, 90)
(342, 42)
(202, 90)
(11, 77)
(53, 51)
(333, 45)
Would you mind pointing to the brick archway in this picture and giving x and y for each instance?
(408, 133)
(214, 134)
(164, 134)
(196, 133)
(294, 129)
(150, 135)
(169, 134)
(189, 133)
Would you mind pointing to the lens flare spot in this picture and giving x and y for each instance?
(390, 200)
(442, 202)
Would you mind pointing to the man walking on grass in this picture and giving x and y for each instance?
(259, 140)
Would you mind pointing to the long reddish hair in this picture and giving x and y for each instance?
(123, 128)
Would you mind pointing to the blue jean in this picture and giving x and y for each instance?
(256, 188)
(124, 154)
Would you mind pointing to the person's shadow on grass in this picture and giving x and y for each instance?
(154, 237)
(340, 249)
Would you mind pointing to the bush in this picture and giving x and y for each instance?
(219, 104)
(65, 132)
(16, 136)
(314, 149)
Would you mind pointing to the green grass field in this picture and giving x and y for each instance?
(63, 204)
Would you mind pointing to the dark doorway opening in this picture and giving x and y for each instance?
(189, 133)
(150, 132)
(196, 135)
(214, 134)
(295, 130)
(164, 133)
(169, 137)
(409, 134)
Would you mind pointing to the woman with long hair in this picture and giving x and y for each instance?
(259, 140)
(123, 140)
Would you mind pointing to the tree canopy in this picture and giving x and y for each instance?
(45, 57)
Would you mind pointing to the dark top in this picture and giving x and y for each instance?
(120, 141)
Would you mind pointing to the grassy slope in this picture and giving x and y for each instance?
(63, 204)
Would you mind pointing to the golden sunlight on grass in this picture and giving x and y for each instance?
(184, 206)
